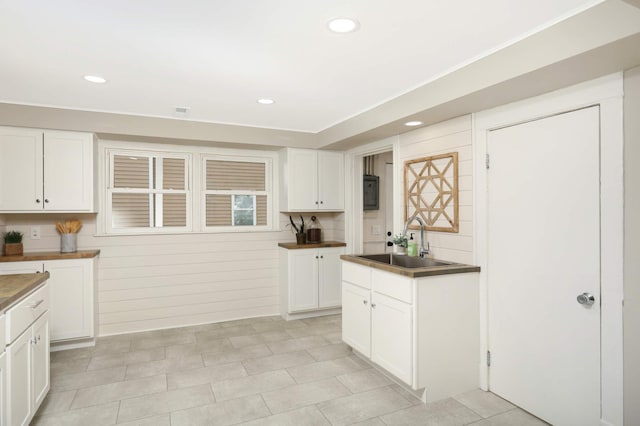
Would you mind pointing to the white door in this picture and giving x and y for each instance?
(356, 318)
(20, 169)
(303, 180)
(391, 336)
(40, 359)
(329, 278)
(71, 288)
(19, 402)
(3, 388)
(543, 251)
(330, 180)
(68, 165)
(303, 284)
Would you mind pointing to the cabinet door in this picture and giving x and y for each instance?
(19, 402)
(68, 171)
(40, 360)
(391, 336)
(329, 278)
(356, 318)
(71, 288)
(20, 169)
(3, 388)
(331, 180)
(303, 280)
(303, 180)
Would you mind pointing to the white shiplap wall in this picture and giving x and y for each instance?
(449, 136)
(150, 282)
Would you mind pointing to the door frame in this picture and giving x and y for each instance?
(607, 92)
(354, 169)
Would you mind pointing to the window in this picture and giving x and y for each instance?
(148, 191)
(237, 193)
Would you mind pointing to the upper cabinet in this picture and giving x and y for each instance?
(311, 180)
(46, 170)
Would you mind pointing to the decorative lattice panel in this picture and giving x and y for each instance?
(431, 191)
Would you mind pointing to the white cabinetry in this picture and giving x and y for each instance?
(310, 279)
(71, 289)
(3, 373)
(46, 170)
(311, 180)
(424, 331)
(27, 356)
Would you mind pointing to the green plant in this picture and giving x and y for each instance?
(12, 237)
(401, 240)
(299, 229)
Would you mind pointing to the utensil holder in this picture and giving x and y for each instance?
(68, 243)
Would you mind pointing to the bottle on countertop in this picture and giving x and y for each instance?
(412, 249)
(314, 232)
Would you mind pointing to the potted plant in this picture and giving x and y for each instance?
(12, 243)
(401, 242)
(301, 237)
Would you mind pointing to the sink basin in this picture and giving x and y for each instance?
(405, 261)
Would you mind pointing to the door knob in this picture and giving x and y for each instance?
(586, 299)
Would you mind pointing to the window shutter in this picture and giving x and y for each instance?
(235, 175)
(174, 210)
(130, 210)
(130, 172)
(173, 173)
(218, 210)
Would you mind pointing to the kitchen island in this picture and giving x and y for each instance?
(420, 324)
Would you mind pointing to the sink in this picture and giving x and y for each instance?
(405, 261)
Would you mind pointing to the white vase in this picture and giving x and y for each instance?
(399, 250)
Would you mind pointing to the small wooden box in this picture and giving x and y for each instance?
(14, 249)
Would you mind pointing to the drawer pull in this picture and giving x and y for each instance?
(38, 303)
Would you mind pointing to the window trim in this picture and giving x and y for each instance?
(268, 192)
(155, 214)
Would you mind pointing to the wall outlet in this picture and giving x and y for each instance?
(35, 232)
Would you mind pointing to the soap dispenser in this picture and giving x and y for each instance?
(412, 249)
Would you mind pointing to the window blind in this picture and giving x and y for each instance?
(235, 175)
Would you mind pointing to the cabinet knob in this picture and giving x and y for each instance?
(364, 302)
(321, 202)
(316, 203)
(321, 257)
(38, 200)
(46, 200)
(316, 257)
(373, 305)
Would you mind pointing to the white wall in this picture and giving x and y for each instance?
(632, 247)
(160, 281)
(449, 136)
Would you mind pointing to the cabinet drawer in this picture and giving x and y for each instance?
(356, 274)
(3, 339)
(393, 285)
(23, 314)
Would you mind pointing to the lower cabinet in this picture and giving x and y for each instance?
(423, 331)
(310, 279)
(27, 358)
(71, 291)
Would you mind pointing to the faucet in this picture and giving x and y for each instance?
(423, 251)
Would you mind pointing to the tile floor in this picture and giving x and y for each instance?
(263, 371)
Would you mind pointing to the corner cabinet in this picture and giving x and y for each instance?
(71, 294)
(310, 282)
(311, 180)
(424, 331)
(46, 171)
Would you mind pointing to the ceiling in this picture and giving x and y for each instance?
(218, 57)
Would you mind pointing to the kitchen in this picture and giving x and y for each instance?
(149, 282)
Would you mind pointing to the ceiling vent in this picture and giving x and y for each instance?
(181, 112)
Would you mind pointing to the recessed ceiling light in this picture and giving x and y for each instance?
(95, 79)
(265, 101)
(343, 25)
(413, 123)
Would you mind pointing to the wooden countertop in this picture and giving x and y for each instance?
(453, 268)
(51, 255)
(294, 246)
(13, 287)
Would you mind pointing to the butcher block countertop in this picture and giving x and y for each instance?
(51, 255)
(294, 246)
(13, 287)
